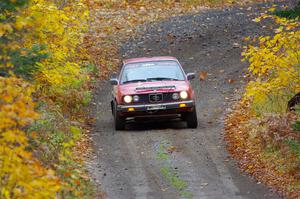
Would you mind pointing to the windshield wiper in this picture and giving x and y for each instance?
(135, 80)
(161, 78)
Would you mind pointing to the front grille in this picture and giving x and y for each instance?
(145, 98)
(157, 97)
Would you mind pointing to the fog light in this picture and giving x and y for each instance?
(136, 98)
(175, 96)
(182, 105)
(130, 109)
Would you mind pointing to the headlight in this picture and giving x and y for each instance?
(127, 99)
(136, 98)
(175, 96)
(183, 95)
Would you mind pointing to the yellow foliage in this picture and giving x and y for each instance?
(59, 81)
(21, 174)
(61, 30)
(275, 63)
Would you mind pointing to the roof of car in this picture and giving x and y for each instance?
(146, 59)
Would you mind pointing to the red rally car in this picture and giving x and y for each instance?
(155, 87)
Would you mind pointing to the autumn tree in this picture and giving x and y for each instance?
(39, 62)
(21, 174)
(275, 64)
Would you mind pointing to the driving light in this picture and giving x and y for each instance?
(175, 96)
(183, 95)
(130, 109)
(136, 98)
(182, 105)
(127, 99)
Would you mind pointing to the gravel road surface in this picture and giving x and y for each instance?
(126, 163)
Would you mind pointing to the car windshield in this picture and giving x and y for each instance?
(152, 71)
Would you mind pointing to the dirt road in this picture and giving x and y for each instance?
(129, 164)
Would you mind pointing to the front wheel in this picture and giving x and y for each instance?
(191, 119)
(119, 122)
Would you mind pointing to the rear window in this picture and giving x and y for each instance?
(152, 71)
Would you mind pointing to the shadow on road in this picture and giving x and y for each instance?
(155, 125)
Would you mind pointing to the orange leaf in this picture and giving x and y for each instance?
(202, 75)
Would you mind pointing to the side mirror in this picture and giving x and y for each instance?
(114, 81)
(190, 76)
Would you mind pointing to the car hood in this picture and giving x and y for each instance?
(153, 87)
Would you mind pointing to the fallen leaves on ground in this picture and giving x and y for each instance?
(260, 146)
(202, 75)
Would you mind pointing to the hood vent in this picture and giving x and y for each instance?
(155, 88)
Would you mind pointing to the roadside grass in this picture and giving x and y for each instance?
(168, 171)
(57, 144)
(173, 177)
(290, 14)
(295, 147)
(274, 103)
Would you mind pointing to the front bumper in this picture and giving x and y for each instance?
(181, 106)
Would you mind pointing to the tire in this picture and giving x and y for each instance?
(191, 119)
(112, 107)
(119, 122)
(295, 101)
